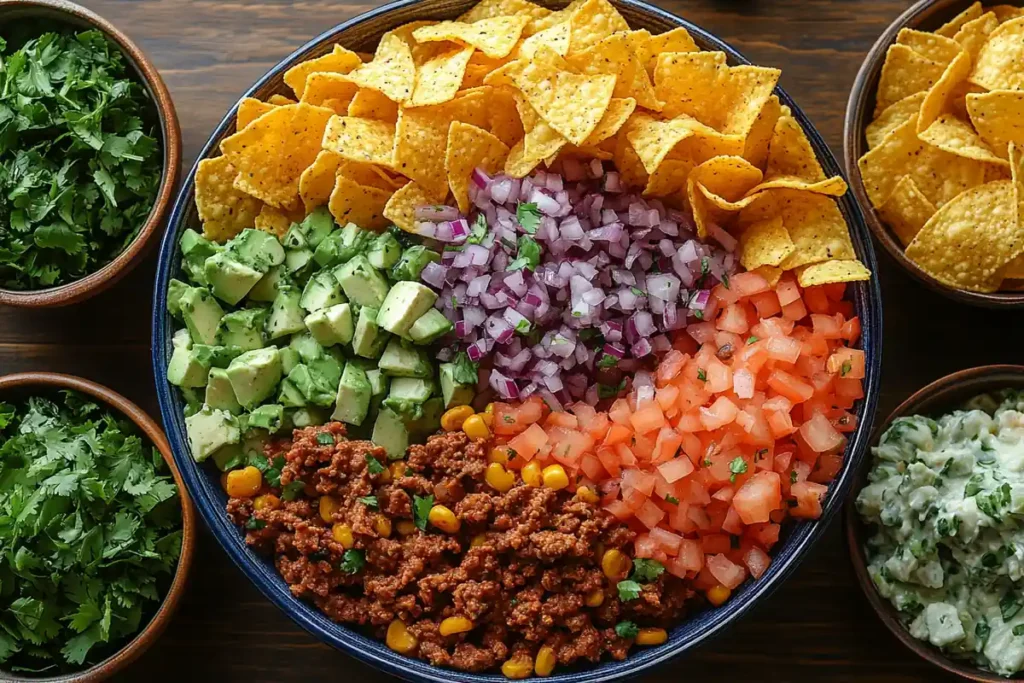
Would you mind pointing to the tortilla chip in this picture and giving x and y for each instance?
(401, 208)
(290, 135)
(541, 140)
(929, 45)
(628, 163)
(670, 178)
(323, 86)
(392, 71)
(609, 56)
(832, 272)
(676, 40)
(904, 73)
(1000, 62)
(370, 104)
(770, 273)
(440, 78)
(370, 175)
(1005, 13)
(892, 117)
(969, 240)
(488, 9)
(833, 187)
(1014, 270)
(755, 147)
(790, 153)
(225, 211)
(950, 28)
(726, 177)
(340, 61)
(766, 243)
(957, 137)
(276, 221)
(470, 148)
(937, 101)
(250, 109)
(495, 37)
(615, 117)
(998, 116)
(593, 21)
(364, 140)
(317, 181)
(503, 118)
(280, 100)
(653, 138)
(974, 34)
(816, 226)
(556, 37)
(906, 210)
(1017, 174)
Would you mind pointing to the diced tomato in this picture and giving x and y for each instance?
(620, 412)
(727, 573)
(639, 480)
(644, 546)
(619, 509)
(591, 466)
(756, 561)
(787, 289)
(734, 319)
(702, 332)
(851, 330)
(724, 494)
(789, 386)
(650, 514)
(765, 535)
(647, 418)
(719, 376)
(808, 497)
(732, 523)
(826, 325)
(846, 362)
(667, 541)
(530, 441)
(820, 435)
(690, 557)
(826, 469)
(675, 469)
(560, 419)
(758, 496)
(785, 349)
(780, 423)
(718, 414)
(795, 311)
(667, 445)
(715, 543)
(610, 461)
(766, 304)
(748, 284)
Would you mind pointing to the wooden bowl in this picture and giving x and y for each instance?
(925, 15)
(61, 13)
(26, 384)
(938, 397)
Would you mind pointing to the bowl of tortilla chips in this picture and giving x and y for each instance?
(935, 149)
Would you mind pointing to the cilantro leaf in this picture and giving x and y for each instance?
(610, 391)
(626, 629)
(368, 501)
(528, 255)
(628, 590)
(607, 361)
(478, 231)
(373, 465)
(420, 510)
(325, 439)
(528, 216)
(645, 570)
(671, 500)
(737, 466)
(465, 370)
(292, 489)
(353, 561)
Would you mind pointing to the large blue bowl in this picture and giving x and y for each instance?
(362, 33)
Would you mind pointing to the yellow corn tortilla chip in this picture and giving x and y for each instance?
(628, 163)
(401, 208)
(541, 140)
(503, 116)
(517, 165)
(934, 47)
(957, 137)
(339, 60)
(364, 140)
(790, 153)
(950, 28)
(728, 178)
(618, 112)
(609, 56)
(277, 221)
(937, 101)
(290, 135)
(339, 107)
(280, 100)
(591, 22)
(770, 273)
(904, 73)
(755, 147)
(469, 148)
(475, 76)
(832, 272)
(833, 187)
(969, 240)
(370, 104)
(670, 178)
(392, 71)
(225, 211)
(495, 37)
(998, 116)
(370, 176)
(816, 226)
(317, 181)
(1005, 13)
(488, 9)
(323, 86)
(421, 52)
(892, 117)
(1017, 175)
(765, 243)
(440, 78)
(250, 109)
(938, 174)
(974, 34)
(555, 37)
(676, 40)
(1000, 62)
(1014, 270)
(653, 139)
(702, 85)
(906, 210)
(351, 202)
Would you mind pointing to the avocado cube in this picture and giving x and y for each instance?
(269, 416)
(379, 382)
(354, 240)
(368, 340)
(211, 429)
(306, 346)
(403, 306)
(430, 327)
(326, 253)
(384, 251)
(257, 249)
(403, 360)
(289, 395)
(289, 359)
(254, 375)
(294, 239)
(326, 370)
(408, 394)
(321, 291)
(243, 328)
(430, 420)
(215, 356)
(363, 284)
(316, 226)
(230, 280)
(332, 325)
(187, 369)
(390, 433)
(195, 249)
(308, 416)
(181, 339)
(298, 261)
(175, 289)
(229, 457)
(285, 313)
(266, 288)
(413, 261)
(201, 314)
(219, 393)
(310, 387)
(193, 397)
(353, 401)
(453, 392)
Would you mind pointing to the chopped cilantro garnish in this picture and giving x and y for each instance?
(528, 216)
(609, 391)
(465, 370)
(792, 477)
(751, 339)
(420, 510)
(373, 465)
(1009, 606)
(607, 361)
(699, 315)
(626, 629)
(1018, 630)
(325, 439)
(645, 570)
(353, 561)
(527, 256)
(701, 375)
(628, 590)
(671, 500)
(845, 369)
(479, 230)
(725, 280)
(737, 466)
(292, 489)
(637, 291)
(254, 524)
(368, 501)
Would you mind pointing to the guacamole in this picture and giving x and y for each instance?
(946, 503)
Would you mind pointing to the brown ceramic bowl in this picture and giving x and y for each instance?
(925, 15)
(26, 384)
(62, 14)
(938, 397)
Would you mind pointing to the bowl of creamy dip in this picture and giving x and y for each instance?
(936, 523)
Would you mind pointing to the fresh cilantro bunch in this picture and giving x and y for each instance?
(90, 533)
(80, 163)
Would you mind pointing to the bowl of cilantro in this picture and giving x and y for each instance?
(97, 530)
(90, 151)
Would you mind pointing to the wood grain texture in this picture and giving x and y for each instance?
(817, 627)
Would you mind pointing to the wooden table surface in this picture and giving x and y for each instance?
(817, 627)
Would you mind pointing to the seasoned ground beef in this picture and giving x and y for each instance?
(520, 567)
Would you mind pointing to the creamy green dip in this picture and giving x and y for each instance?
(946, 502)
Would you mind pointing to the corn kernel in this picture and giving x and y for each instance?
(453, 625)
(531, 474)
(244, 483)
(385, 476)
(651, 636)
(444, 519)
(498, 478)
(382, 525)
(328, 506)
(546, 660)
(400, 639)
(595, 598)
(475, 428)
(615, 564)
(588, 495)
(520, 666)
(406, 527)
(453, 418)
(267, 501)
(398, 469)
(478, 541)
(342, 533)
(554, 477)
(718, 595)
(498, 454)
(489, 409)
(488, 419)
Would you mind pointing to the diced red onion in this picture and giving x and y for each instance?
(479, 178)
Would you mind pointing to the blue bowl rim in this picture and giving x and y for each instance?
(701, 626)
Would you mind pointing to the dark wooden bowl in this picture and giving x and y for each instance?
(61, 13)
(25, 384)
(925, 15)
(938, 397)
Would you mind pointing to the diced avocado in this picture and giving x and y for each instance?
(408, 394)
(219, 393)
(363, 284)
(390, 433)
(230, 280)
(458, 385)
(193, 400)
(257, 249)
(354, 240)
(289, 359)
(430, 421)
(296, 261)
(229, 457)
(187, 368)
(321, 291)
(195, 249)
(201, 314)
(243, 328)
(175, 289)
(384, 251)
(215, 356)
(326, 370)
(430, 327)
(316, 226)
(269, 416)
(308, 416)
(403, 360)
(368, 340)
(285, 313)
(326, 253)
(289, 395)
(353, 401)
(308, 348)
(413, 261)
(332, 325)
(308, 384)
(254, 375)
(379, 382)
(266, 288)
(403, 306)
(294, 238)
(181, 339)
(209, 430)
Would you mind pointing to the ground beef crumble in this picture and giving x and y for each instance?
(520, 567)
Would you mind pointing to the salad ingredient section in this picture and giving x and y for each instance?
(80, 157)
